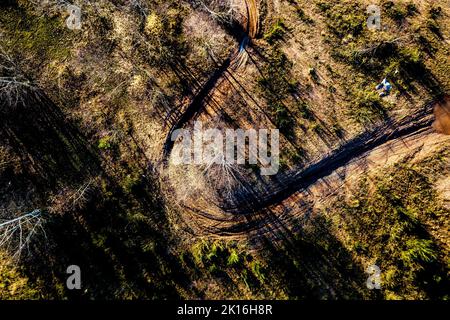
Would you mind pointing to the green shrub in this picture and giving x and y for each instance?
(305, 111)
(410, 63)
(276, 87)
(433, 26)
(419, 251)
(105, 143)
(323, 6)
(276, 32)
(410, 56)
(257, 271)
(13, 284)
(368, 107)
(313, 74)
(227, 257)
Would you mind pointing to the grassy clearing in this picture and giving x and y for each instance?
(228, 261)
(386, 221)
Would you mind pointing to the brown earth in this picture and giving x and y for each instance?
(442, 114)
(214, 221)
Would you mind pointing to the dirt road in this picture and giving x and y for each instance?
(288, 213)
(252, 18)
(292, 182)
(256, 211)
(234, 62)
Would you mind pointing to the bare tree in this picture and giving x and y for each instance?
(14, 86)
(224, 10)
(16, 234)
(222, 175)
(69, 199)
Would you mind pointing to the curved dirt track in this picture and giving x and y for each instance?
(289, 199)
(252, 18)
(292, 182)
(237, 59)
(288, 213)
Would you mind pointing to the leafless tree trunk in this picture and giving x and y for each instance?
(14, 86)
(69, 199)
(16, 234)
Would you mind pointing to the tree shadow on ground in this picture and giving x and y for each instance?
(120, 238)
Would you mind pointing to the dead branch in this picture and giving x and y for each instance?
(224, 10)
(16, 234)
(14, 86)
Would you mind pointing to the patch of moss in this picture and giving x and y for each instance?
(276, 32)
(41, 36)
(344, 19)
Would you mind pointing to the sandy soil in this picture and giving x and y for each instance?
(442, 114)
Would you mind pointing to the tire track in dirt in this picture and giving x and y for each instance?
(257, 213)
(355, 148)
(278, 221)
(235, 61)
(272, 214)
(253, 18)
